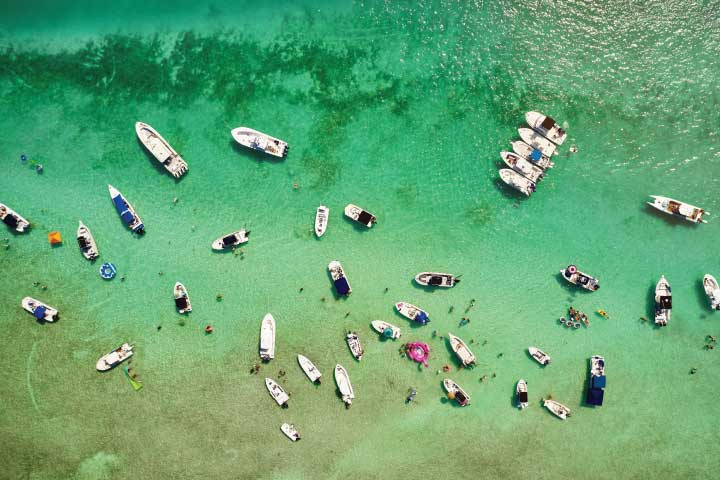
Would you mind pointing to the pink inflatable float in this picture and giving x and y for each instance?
(418, 351)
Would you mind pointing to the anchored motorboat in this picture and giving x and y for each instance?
(677, 208)
(387, 330)
(353, 341)
(231, 240)
(259, 141)
(576, 277)
(161, 149)
(517, 181)
(462, 351)
(546, 126)
(712, 290)
(115, 358)
(412, 312)
(357, 214)
(309, 368)
(537, 141)
(41, 311)
(560, 410)
(532, 154)
(267, 338)
(523, 166)
(126, 211)
(321, 220)
(342, 287)
(522, 393)
(13, 219)
(432, 279)
(182, 300)
(88, 247)
(342, 379)
(455, 392)
(277, 392)
(663, 302)
(541, 357)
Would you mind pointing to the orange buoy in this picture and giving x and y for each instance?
(208, 329)
(54, 238)
(446, 368)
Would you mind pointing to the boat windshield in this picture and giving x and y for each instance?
(10, 221)
(229, 240)
(523, 397)
(436, 280)
(181, 302)
(365, 218)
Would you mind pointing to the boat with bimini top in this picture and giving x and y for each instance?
(267, 338)
(259, 141)
(541, 357)
(432, 279)
(546, 126)
(576, 277)
(342, 287)
(114, 358)
(517, 181)
(126, 211)
(342, 379)
(387, 330)
(277, 392)
(537, 141)
(161, 149)
(321, 220)
(309, 368)
(663, 302)
(521, 391)
(412, 312)
(358, 215)
(455, 392)
(677, 208)
(13, 219)
(522, 166)
(87, 244)
(182, 300)
(532, 154)
(231, 240)
(41, 311)
(712, 290)
(462, 351)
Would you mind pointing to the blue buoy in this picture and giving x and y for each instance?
(107, 271)
(23, 158)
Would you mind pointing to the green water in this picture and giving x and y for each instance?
(401, 108)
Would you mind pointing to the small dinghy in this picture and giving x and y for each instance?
(546, 126)
(182, 300)
(289, 430)
(432, 279)
(353, 342)
(12, 219)
(541, 357)
(412, 312)
(277, 392)
(259, 141)
(663, 302)
(321, 220)
(88, 247)
(342, 379)
(231, 240)
(359, 215)
(522, 393)
(462, 351)
(387, 330)
(267, 338)
(712, 290)
(455, 392)
(532, 154)
(114, 358)
(41, 311)
(677, 208)
(523, 166)
(537, 141)
(126, 211)
(161, 150)
(310, 369)
(576, 277)
(517, 181)
(557, 408)
(596, 388)
(342, 287)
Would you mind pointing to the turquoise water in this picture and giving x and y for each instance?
(399, 108)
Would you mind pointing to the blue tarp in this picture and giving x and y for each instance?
(598, 381)
(535, 155)
(595, 396)
(39, 312)
(422, 317)
(127, 217)
(342, 286)
(120, 204)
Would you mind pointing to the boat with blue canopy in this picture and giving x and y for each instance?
(126, 211)
(596, 390)
(39, 310)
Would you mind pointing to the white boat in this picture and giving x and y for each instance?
(386, 329)
(517, 181)
(114, 358)
(541, 357)
(557, 408)
(535, 140)
(88, 247)
(523, 166)
(40, 310)
(353, 342)
(712, 290)
(262, 142)
(289, 430)
(663, 302)
(161, 149)
(532, 154)
(277, 392)
(462, 351)
(267, 338)
(455, 392)
(522, 393)
(12, 219)
(433, 279)
(126, 211)
(597, 366)
(321, 220)
(546, 126)
(678, 209)
(359, 215)
(411, 312)
(182, 300)
(342, 286)
(231, 240)
(576, 277)
(342, 379)
(310, 369)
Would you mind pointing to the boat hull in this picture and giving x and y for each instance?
(226, 243)
(13, 219)
(546, 127)
(463, 353)
(309, 368)
(457, 393)
(277, 392)
(114, 358)
(182, 300)
(41, 311)
(267, 338)
(86, 241)
(535, 140)
(676, 208)
(712, 290)
(161, 150)
(342, 379)
(260, 142)
(432, 279)
(126, 211)
(321, 220)
(353, 341)
(359, 215)
(521, 391)
(411, 312)
(522, 166)
(531, 154)
(517, 181)
(381, 327)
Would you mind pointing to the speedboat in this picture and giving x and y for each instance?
(557, 408)
(342, 379)
(596, 392)
(541, 357)
(88, 247)
(40, 310)
(277, 392)
(576, 277)
(522, 393)
(353, 342)
(431, 279)
(291, 432)
(535, 140)
(357, 214)
(712, 290)
(12, 219)
(321, 220)
(532, 154)
(342, 287)
(267, 338)
(663, 302)
(523, 166)
(231, 239)
(114, 358)
(387, 330)
(455, 392)
(182, 300)
(517, 181)
(412, 312)
(126, 211)
(161, 149)
(462, 351)
(546, 126)
(310, 369)
(262, 142)
(678, 208)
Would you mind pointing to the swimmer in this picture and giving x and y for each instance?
(122, 279)
(301, 289)
(347, 314)
(450, 310)
(693, 371)
(219, 297)
(175, 199)
(573, 149)
(161, 273)
(483, 378)
(159, 327)
(712, 339)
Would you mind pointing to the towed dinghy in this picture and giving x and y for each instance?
(321, 220)
(41, 311)
(522, 393)
(432, 279)
(88, 247)
(523, 166)
(455, 392)
(231, 240)
(259, 141)
(517, 181)
(161, 149)
(663, 302)
(557, 408)
(13, 219)
(267, 338)
(126, 211)
(342, 287)
(310, 369)
(412, 312)
(712, 290)
(677, 208)
(358, 215)
(182, 300)
(342, 379)
(532, 154)
(387, 330)
(537, 141)
(576, 277)
(114, 358)
(277, 392)
(462, 351)
(546, 126)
